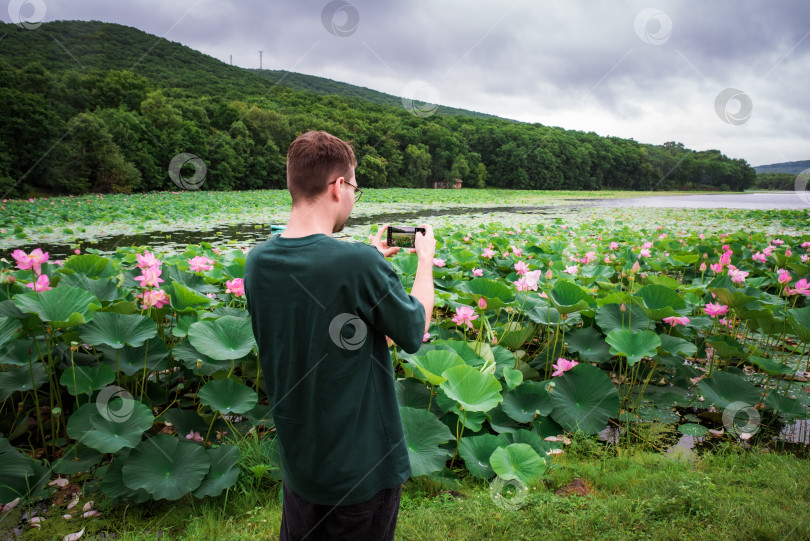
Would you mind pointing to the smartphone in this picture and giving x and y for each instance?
(403, 236)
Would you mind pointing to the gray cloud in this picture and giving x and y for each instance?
(579, 65)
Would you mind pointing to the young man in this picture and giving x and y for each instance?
(321, 310)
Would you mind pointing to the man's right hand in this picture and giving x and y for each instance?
(425, 244)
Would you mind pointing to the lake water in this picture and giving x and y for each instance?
(175, 240)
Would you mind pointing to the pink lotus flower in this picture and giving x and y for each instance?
(737, 276)
(802, 288)
(521, 284)
(635, 268)
(777, 241)
(572, 270)
(646, 245)
(464, 314)
(759, 257)
(235, 286)
(645, 252)
(806, 245)
(153, 297)
(562, 365)
(516, 251)
(200, 263)
(805, 258)
(717, 268)
(543, 294)
(30, 261)
(438, 262)
(426, 337)
(703, 267)
(194, 436)
(482, 304)
(521, 267)
(477, 272)
(488, 253)
(788, 253)
(147, 260)
(784, 277)
(42, 283)
(150, 277)
(614, 245)
(77, 251)
(675, 320)
(725, 259)
(716, 309)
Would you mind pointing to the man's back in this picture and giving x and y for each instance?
(320, 311)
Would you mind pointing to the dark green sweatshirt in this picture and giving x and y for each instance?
(321, 309)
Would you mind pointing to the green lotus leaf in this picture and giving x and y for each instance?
(770, 367)
(475, 391)
(110, 423)
(77, 459)
(476, 450)
(22, 476)
(514, 335)
(117, 330)
(105, 289)
(184, 299)
(584, 399)
(227, 396)
(90, 265)
(530, 398)
(659, 301)
(529, 437)
(9, 327)
(22, 378)
(405, 264)
(86, 379)
(434, 362)
(790, 407)
(633, 345)
(423, 434)
(610, 317)
(61, 306)
(724, 388)
(412, 393)
(568, 297)
(800, 320)
(186, 421)
(224, 338)
(223, 473)
(589, 344)
(496, 294)
(512, 377)
(726, 346)
(199, 362)
(152, 355)
(112, 484)
(693, 429)
(732, 297)
(675, 346)
(166, 467)
(518, 461)
(23, 351)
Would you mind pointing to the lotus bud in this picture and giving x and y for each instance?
(549, 274)
(623, 308)
(199, 364)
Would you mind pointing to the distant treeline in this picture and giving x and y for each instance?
(100, 129)
(776, 181)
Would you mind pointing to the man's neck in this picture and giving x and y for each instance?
(304, 225)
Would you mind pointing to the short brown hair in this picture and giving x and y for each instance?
(313, 160)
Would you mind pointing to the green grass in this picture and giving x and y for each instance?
(731, 494)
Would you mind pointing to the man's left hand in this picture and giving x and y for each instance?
(382, 244)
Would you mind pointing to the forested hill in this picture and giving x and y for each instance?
(91, 106)
(321, 85)
(792, 168)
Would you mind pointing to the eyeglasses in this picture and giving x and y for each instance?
(358, 193)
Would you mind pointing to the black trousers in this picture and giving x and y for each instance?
(372, 520)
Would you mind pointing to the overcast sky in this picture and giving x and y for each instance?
(647, 70)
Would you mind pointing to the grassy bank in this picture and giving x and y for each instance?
(731, 494)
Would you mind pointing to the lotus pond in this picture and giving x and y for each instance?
(134, 374)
